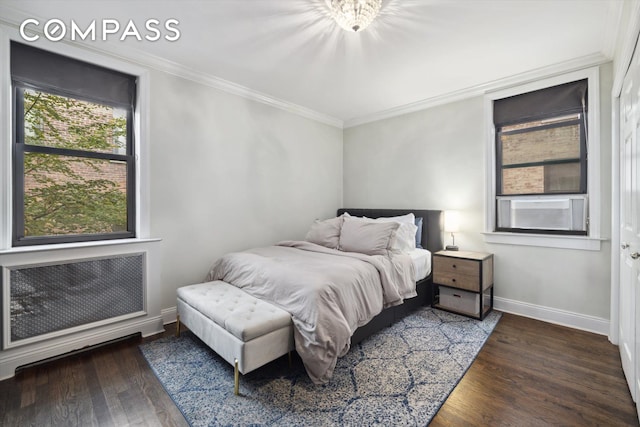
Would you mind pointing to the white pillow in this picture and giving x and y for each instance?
(325, 233)
(405, 238)
(406, 234)
(366, 236)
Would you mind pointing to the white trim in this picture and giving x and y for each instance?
(570, 319)
(75, 251)
(592, 241)
(5, 141)
(629, 38)
(9, 361)
(14, 17)
(544, 240)
(242, 91)
(142, 138)
(83, 245)
(169, 315)
(613, 19)
(614, 332)
(481, 89)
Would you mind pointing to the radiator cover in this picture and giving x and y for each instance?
(48, 300)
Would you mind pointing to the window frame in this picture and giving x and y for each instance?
(19, 148)
(140, 129)
(592, 240)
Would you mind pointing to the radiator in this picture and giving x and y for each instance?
(42, 301)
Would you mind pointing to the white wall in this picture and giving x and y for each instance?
(228, 173)
(224, 173)
(435, 159)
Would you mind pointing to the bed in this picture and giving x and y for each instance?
(346, 292)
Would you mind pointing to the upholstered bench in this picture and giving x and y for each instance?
(245, 331)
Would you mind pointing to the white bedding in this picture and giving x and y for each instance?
(329, 293)
(421, 259)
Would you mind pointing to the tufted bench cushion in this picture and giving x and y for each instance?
(241, 314)
(245, 331)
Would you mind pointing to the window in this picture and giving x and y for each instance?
(74, 160)
(541, 160)
(542, 157)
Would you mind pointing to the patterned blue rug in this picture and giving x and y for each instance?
(400, 376)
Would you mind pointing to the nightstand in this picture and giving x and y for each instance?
(463, 282)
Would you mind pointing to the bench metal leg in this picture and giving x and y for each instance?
(236, 378)
(178, 325)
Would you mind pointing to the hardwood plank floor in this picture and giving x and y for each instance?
(107, 386)
(528, 373)
(535, 373)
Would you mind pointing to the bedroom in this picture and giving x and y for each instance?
(226, 161)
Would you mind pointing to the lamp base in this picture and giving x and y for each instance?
(451, 248)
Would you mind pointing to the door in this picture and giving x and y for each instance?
(630, 227)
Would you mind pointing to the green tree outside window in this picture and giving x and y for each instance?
(72, 194)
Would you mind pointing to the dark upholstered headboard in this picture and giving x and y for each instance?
(432, 223)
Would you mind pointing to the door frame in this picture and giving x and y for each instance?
(630, 39)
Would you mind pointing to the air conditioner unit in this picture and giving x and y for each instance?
(562, 213)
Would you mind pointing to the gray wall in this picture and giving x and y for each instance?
(228, 173)
(435, 159)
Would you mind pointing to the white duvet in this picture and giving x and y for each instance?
(329, 293)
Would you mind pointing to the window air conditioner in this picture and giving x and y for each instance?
(561, 213)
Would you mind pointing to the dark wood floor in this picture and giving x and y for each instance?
(528, 373)
(108, 386)
(535, 373)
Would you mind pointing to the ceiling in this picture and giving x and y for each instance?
(416, 50)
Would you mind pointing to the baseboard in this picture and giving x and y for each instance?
(169, 315)
(583, 322)
(19, 356)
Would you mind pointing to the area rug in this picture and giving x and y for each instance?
(399, 376)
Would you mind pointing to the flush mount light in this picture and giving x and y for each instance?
(354, 15)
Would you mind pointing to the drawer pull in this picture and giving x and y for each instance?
(453, 280)
(454, 266)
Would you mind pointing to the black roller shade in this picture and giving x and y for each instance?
(555, 101)
(59, 73)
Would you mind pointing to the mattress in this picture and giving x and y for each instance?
(421, 259)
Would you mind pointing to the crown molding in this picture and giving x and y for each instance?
(481, 89)
(242, 91)
(613, 19)
(628, 39)
(13, 18)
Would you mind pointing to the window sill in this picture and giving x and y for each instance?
(77, 245)
(584, 243)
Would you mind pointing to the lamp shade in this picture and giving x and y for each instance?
(451, 221)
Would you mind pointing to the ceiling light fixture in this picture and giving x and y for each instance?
(354, 15)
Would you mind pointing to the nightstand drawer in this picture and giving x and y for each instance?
(456, 280)
(456, 265)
